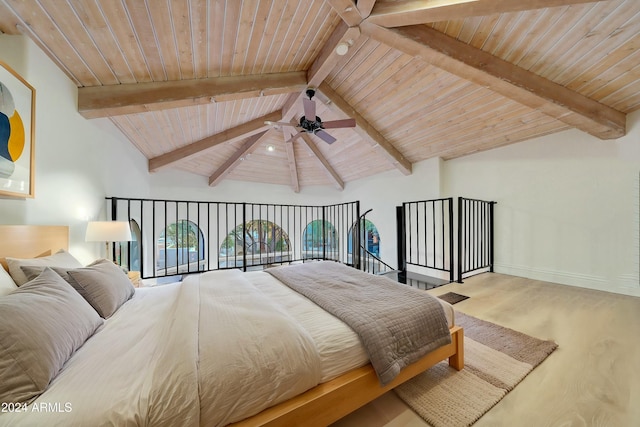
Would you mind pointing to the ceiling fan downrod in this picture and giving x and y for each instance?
(310, 93)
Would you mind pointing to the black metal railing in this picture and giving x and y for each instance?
(475, 236)
(425, 235)
(175, 237)
(367, 260)
(373, 264)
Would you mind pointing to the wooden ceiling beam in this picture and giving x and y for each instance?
(510, 81)
(291, 158)
(366, 131)
(326, 60)
(347, 10)
(115, 100)
(306, 139)
(230, 135)
(233, 161)
(365, 7)
(401, 13)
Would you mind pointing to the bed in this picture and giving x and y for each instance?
(137, 367)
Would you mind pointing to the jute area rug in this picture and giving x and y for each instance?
(496, 360)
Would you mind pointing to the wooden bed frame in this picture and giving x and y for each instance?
(319, 406)
(330, 401)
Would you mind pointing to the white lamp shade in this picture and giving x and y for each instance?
(108, 231)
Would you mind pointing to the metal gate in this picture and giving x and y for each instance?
(426, 240)
(475, 236)
(425, 235)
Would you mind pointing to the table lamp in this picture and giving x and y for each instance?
(108, 231)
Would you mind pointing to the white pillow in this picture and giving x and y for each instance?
(62, 259)
(7, 285)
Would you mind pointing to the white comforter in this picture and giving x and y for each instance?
(214, 349)
(252, 354)
(183, 354)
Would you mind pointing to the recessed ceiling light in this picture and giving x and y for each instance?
(271, 147)
(342, 48)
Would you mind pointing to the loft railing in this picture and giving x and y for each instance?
(475, 236)
(367, 260)
(175, 237)
(372, 264)
(425, 236)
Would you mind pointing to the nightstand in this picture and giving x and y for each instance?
(134, 276)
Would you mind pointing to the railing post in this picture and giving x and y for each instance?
(401, 234)
(114, 213)
(356, 238)
(324, 234)
(460, 239)
(491, 235)
(244, 237)
(451, 259)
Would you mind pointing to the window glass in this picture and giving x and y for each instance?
(258, 241)
(319, 238)
(180, 248)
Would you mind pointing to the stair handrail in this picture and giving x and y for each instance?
(357, 258)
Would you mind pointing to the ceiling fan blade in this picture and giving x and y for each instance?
(325, 136)
(279, 124)
(294, 137)
(309, 109)
(345, 123)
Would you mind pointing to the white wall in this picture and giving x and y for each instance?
(77, 161)
(385, 191)
(568, 206)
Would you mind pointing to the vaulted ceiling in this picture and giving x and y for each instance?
(191, 82)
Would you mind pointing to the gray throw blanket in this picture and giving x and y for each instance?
(397, 324)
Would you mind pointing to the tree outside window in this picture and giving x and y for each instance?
(260, 241)
(319, 237)
(180, 244)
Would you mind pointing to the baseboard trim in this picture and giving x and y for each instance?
(624, 284)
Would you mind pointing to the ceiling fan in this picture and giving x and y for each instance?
(311, 123)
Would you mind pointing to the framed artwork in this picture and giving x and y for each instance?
(17, 126)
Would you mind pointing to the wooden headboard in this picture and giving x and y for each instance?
(31, 241)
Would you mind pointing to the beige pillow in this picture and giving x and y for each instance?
(61, 258)
(32, 271)
(42, 323)
(7, 285)
(103, 284)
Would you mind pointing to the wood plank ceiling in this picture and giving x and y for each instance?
(191, 82)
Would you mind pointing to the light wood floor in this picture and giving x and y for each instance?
(592, 379)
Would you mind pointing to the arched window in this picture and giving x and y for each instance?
(369, 237)
(258, 241)
(131, 259)
(180, 248)
(319, 239)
